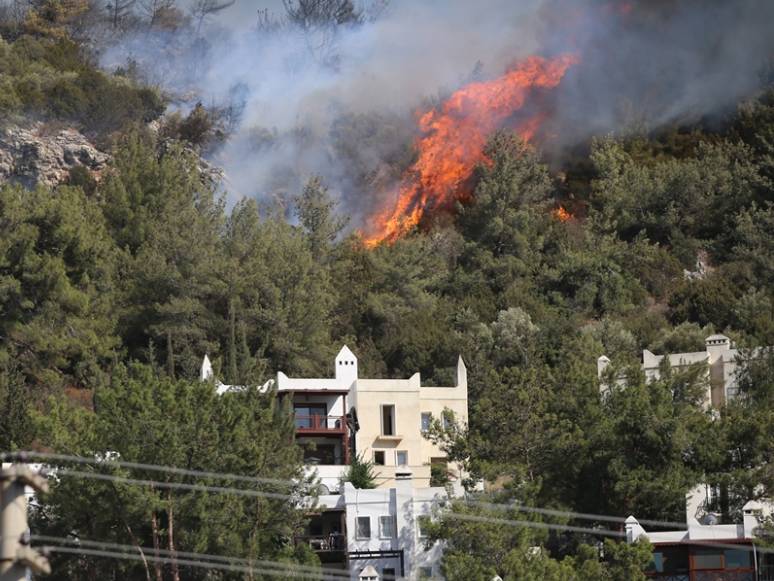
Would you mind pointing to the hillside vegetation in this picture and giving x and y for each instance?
(112, 290)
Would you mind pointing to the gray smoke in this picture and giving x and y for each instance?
(340, 101)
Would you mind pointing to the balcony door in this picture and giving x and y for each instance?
(310, 415)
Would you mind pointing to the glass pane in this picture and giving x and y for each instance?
(304, 413)
(364, 527)
(388, 420)
(707, 559)
(675, 559)
(656, 563)
(387, 528)
(737, 559)
(426, 422)
(402, 458)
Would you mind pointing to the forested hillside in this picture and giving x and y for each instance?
(114, 286)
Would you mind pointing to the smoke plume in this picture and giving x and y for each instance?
(340, 101)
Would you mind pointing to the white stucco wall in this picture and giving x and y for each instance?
(404, 504)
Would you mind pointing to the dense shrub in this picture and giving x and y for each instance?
(55, 78)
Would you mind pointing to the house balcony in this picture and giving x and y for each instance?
(319, 425)
(326, 536)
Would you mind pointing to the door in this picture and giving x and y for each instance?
(310, 415)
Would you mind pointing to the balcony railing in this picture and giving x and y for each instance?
(325, 543)
(320, 423)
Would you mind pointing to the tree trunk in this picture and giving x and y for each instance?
(156, 545)
(171, 537)
(170, 356)
(139, 548)
(233, 372)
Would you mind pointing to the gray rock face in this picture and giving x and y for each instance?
(31, 155)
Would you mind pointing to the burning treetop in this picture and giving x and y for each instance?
(453, 140)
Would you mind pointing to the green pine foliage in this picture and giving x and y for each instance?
(361, 473)
(113, 289)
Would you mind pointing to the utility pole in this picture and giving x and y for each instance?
(16, 556)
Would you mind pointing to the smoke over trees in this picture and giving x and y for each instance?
(113, 286)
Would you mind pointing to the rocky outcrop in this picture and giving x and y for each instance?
(38, 155)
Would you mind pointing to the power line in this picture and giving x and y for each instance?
(280, 496)
(176, 485)
(24, 456)
(571, 514)
(602, 532)
(331, 573)
(274, 495)
(534, 524)
(186, 562)
(295, 498)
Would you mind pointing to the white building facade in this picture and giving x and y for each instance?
(381, 420)
(376, 532)
(719, 356)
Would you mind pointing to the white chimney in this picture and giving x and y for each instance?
(750, 513)
(206, 372)
(346, 366)
(633, 530)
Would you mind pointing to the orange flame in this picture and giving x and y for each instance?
(453, 140)
(562, 214)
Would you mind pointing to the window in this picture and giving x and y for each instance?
(388, 574)
(737, 558)
(427, 419)
(388, 420)
(672, 560)
(446, 419)
(387, 527)
(320, 454)
(310, 415)
(425, 572)
(379, 457)
(707, 559)
(401, 458)
(363, 529)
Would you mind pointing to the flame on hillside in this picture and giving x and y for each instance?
(453, 138)
(562, 214)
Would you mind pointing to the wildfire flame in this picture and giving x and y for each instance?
(453, 138)
(562, 214)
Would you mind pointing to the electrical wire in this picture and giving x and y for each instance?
(189, 563)
(291, 483)
(571, 514)
(534, 524)
(176, 485)
(330, 573)
(296, 498)
(24, 456)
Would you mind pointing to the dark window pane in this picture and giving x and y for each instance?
(707, 559)
(737, 559)
(364, 527)
(388, 420)
(675, 559)
(321, 454)
(304, 413)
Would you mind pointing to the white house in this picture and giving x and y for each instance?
(372, 533)
(378, 531)
(719, 356)
(705, 549)
(382, 420)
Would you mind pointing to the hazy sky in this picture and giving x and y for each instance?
(243, 13)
